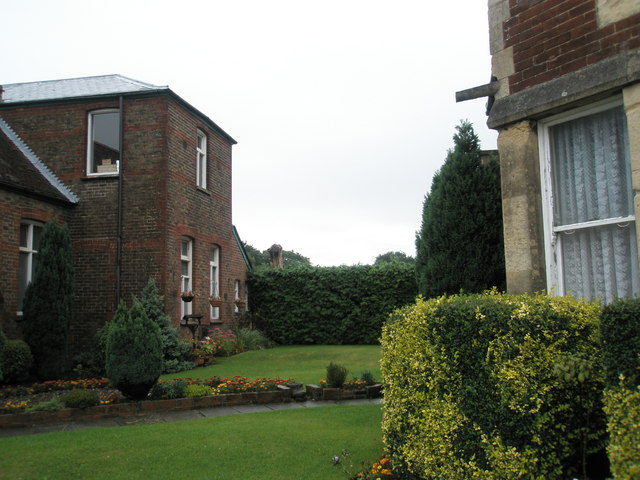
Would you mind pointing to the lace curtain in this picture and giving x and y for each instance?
(592, 182)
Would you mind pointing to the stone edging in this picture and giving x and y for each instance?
(115, 410)
(13, 420)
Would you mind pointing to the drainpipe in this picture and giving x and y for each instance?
(119, 207)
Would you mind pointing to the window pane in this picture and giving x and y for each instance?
(23, 277)
(37, 232)
(105, 142)
(185, 269)
(24, 235)
(601, 262)
(591, 168)
(185, 248)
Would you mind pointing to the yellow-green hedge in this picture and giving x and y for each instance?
(493, 386)
(623, 414)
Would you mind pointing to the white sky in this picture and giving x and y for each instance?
(343, 109)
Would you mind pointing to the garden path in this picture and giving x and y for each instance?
(176, 416)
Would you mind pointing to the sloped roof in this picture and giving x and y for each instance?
(74, 88)
(89, 87)
(22, 170)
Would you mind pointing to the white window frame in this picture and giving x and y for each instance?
(186, 280)
(100, 170)
(214, 279)
(236, 294)
(30, 251)
(201, 159)
(552, 247)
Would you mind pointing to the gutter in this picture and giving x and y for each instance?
(120, 203)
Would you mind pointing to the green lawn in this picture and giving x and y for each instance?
(284, 444)
(305, 364)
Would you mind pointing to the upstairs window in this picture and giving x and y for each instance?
(103, 152)
(590, 225)
(30, 233)
(186, 261)
(201, 159)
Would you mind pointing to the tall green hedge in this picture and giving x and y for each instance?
(329, 305)
(492, 386)
(621, 359)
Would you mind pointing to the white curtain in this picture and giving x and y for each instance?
(592, 182)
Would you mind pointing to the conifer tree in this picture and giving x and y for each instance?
(460, 243)
(133, 358)
(175, 354)
(47, 302)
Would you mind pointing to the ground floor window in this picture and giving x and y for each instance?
(30, 233)
(214, 279)
(590, 232)
(186, 261)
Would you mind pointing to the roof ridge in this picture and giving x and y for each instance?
(91, 77)
(36, 162)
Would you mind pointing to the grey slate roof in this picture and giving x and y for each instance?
(74, 88)
(22, 170)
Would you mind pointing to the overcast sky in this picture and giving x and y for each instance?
(342, 110)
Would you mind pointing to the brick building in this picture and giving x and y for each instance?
(565, 99)
(143, 181)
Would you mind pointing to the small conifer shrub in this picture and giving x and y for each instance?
(134, 352)
(336, 375)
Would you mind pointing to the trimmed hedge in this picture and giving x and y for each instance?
(621, 342)
(621, 359)
(493, 386)
(329, 305)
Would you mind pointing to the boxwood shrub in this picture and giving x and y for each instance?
(493, 386)
(329, 305)
(17, 361)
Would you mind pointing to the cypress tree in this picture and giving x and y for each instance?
(460, 243)
(134, 352)
(47, 302)
(3, 342)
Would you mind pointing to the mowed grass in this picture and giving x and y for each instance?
(295, 443)
(305, 364)
(285, 444)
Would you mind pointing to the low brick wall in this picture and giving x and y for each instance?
(115, 410)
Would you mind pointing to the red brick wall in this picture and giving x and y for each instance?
(160, 204)
(551, 38)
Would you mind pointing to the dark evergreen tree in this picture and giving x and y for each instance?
(460, 244)
(47, 302)
(391, 257)
(3, 341)
(175, 354)
(133, 359)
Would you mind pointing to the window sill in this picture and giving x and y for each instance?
(100, 176)
(203, 190)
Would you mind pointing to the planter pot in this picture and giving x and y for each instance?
(199, 361)
(187, 298)
(215, 303)
(331, 393)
